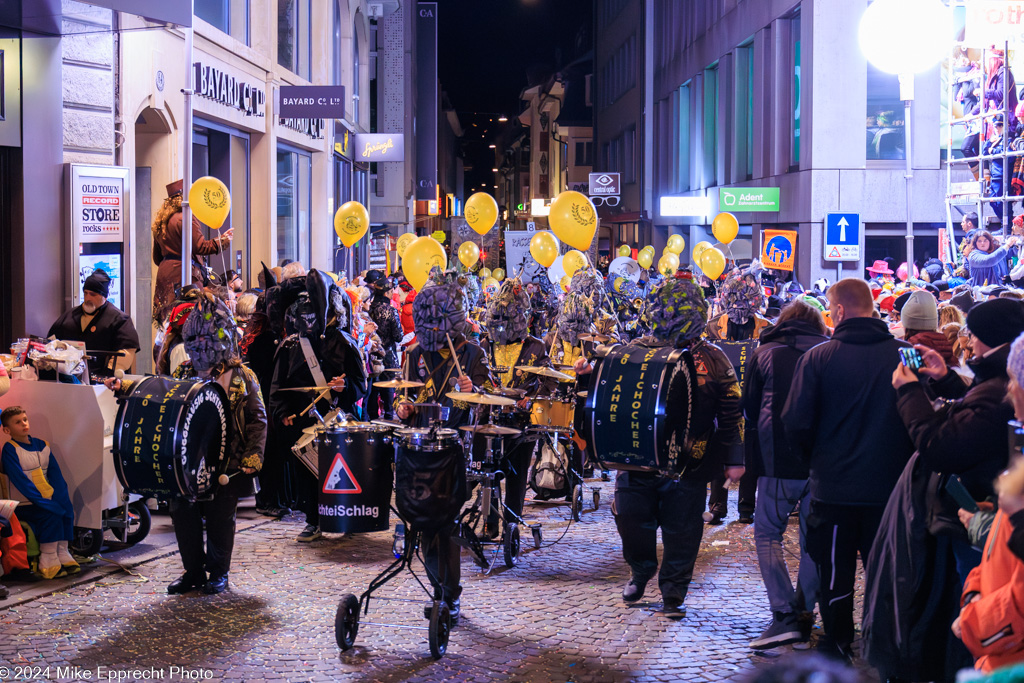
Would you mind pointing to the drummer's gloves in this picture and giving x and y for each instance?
(253, 461)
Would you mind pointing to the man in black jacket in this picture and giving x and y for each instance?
(389, 329)
(781, 474)
(646, 500)
(841, 416)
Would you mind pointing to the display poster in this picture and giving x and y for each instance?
(108, 263)
(517, 255)
(98, 210)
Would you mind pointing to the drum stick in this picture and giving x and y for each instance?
(225, 478)
(319, 396)
(455, 357)
(554, 341)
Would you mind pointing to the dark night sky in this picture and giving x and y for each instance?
(487, 48)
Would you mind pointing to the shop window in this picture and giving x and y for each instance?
(794, 32)
(294, 39)
(294, 197)
(886, 137)
(711, 126)
(224, 153)
(230, 16)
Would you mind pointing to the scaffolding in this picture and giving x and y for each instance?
(965, 187)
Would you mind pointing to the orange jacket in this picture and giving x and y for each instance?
(993, 625)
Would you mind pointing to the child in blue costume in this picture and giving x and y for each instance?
(36, 478)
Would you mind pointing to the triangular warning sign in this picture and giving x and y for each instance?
(340, 478)
(834, 253)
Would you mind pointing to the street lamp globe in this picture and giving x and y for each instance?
(906, 36)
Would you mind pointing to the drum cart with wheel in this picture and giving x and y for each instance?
(430, 488)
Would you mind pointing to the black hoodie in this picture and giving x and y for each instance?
(841, 415)
(765, 391)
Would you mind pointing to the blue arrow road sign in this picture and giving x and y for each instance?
(842, 237)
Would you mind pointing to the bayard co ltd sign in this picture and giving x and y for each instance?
(219, 86)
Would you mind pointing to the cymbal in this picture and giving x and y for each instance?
(509, 392)
(595, 337)
(391, 370)
(304, 389)
(482, 399)
(562, 366)
(583, 394)
(398, 384)
(491, 430)
(546, 372)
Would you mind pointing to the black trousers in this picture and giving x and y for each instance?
(516, 466)
(187, 517)
(275, 475)
(719, 498)
(373, 403)
(835, 534)
(643, 502)
(443, 560)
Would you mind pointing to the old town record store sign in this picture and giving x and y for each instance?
(217, 85)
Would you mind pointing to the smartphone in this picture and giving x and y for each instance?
(960, 494)
(911, 357)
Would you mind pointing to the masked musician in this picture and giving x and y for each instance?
(511, 345)
(318, 351)
(211, 340)
(441, 326)
(646, 500)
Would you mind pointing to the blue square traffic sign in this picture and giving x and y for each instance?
(842, 237)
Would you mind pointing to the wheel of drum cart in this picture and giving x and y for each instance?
(512, 546)
(577, 502)
(86, 542)
(597, 498)
(139, 522)
(440, 628)
(346, 621)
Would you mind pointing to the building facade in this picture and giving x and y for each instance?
(764, 94)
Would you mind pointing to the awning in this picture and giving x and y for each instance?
(46, 17)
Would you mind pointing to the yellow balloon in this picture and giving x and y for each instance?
(573, 261)
(351, 221)
(439, 236)
(573, 219)
(648, 249)
(725, 227)
(712, 262)
(498, 274)
(698, 249)
(624, 250)
(210, 201)
(668, 264)
(676, 244)
(565, 282)
(420, 256)
(403, 243)
(544, 248)
(645, 259)
(469, 254)
(491, 284)
(481, 211)
(484, 273)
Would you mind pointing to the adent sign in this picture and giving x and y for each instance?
(734, 199)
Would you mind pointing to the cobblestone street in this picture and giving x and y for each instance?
(557, 616)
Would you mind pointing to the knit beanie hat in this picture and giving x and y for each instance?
(964, 301)
(996, 322)
(920, 312)
(98, 283)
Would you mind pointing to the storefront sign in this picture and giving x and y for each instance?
(427, 105)
(734, 199)
(380, 147)
(216, 85)
(312, 102)
(778, 249)
(993, 22)
(314, 128)
(343, 138)
(604, 184)
(684, 206)
(99, 209)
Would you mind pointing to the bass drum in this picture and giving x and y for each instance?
(170, 437)
(639, 408)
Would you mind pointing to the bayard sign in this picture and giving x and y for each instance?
(219, 86)
(312, 102)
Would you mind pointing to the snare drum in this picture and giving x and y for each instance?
(170, 437)
(305, 449)
(553, 415)
(355, 488)
(430, 477)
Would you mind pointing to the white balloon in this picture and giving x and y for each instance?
(556, 271)
(626, 267)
